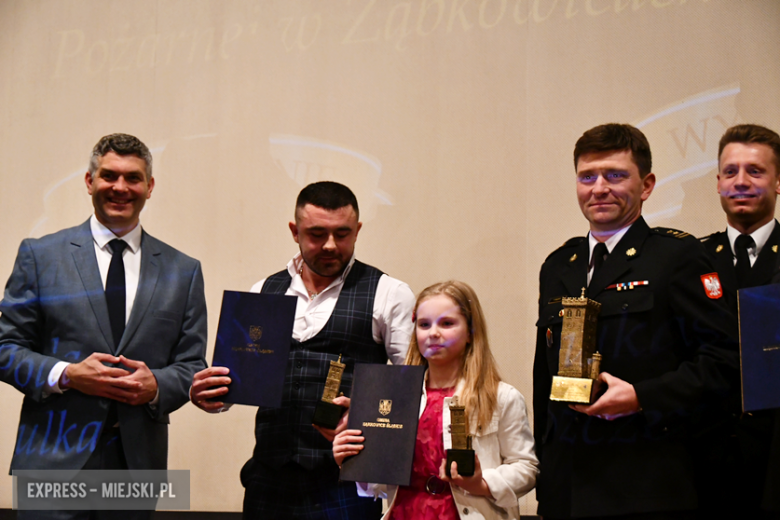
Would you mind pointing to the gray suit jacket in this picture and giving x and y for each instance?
(54, 309)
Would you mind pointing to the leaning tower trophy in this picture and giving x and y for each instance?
(327, 414)
(461, 451)
(578, 361)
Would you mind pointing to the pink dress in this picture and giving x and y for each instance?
(414, 502)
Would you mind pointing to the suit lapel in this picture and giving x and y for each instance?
(619, 260)
(147, 281)
(766, 263)
(83, 252)
(575, 276)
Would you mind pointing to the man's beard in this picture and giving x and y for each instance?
(334, 268)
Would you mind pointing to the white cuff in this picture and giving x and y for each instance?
(154, 402)
(53, 382)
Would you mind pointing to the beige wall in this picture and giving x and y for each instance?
(454, 120)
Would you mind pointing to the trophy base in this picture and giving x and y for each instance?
(327, 414)
(579, 390)
(465, 460)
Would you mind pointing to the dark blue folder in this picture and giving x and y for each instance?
(385, 406)
(253, 341)
(759, 346)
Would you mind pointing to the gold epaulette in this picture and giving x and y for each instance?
(676, 233)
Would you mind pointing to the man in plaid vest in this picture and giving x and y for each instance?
(344, 308)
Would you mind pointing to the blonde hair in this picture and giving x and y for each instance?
(479, 367)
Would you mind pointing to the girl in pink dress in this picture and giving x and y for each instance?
(451, 340)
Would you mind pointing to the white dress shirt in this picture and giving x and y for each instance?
(393, 304)
(131, 256)
(760, 236)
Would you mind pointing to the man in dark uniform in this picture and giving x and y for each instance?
(748, 185)
(665, 335)
(735, 456)
(346, 308)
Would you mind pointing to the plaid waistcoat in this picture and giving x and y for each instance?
(286, 434)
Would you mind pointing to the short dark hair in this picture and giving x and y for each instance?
(328, 195)
(751, 134)
(616, 137)
(120, 144)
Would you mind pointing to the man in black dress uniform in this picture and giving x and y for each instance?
(665, 335)
(736, 455)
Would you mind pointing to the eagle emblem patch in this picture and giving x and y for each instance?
(712, 286)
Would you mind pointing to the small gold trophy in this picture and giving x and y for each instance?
(461, 451)
(327, 414)
(578, 361)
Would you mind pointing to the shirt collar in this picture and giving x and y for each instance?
(294, 269)
(102, 235)
(611, 242)
(760, 235)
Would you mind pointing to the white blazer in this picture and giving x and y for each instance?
(506, 453)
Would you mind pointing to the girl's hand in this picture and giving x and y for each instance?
(346, 444)
(474, 485)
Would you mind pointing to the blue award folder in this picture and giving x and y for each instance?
(385, 406)
(759, 346)
(253, 341)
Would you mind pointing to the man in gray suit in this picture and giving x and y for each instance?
(102, 330)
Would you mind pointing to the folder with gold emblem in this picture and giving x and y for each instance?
(253, 341)
(759, 346)
(385, 406)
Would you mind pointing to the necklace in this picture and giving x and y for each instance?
(311, 294)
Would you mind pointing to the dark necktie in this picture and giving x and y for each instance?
(115, 291)
(742, 244)
(600, 253)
